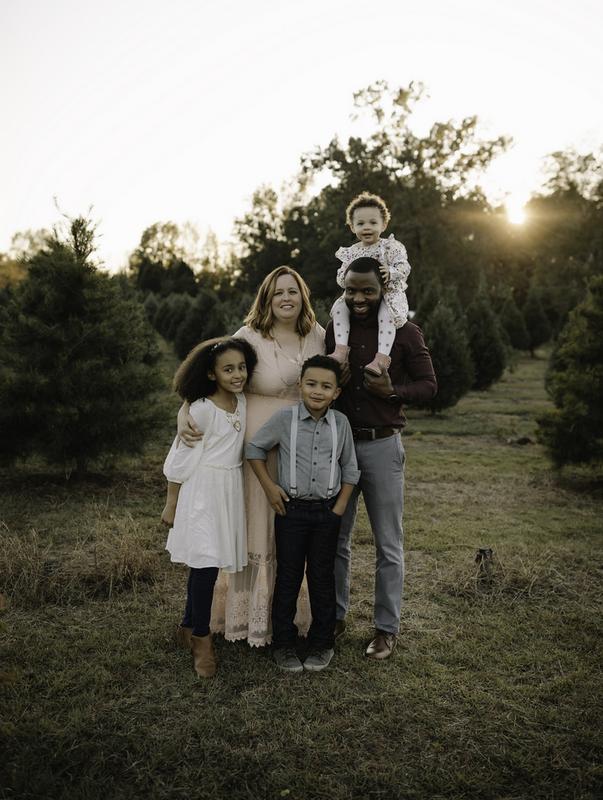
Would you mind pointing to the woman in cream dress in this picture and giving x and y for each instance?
(282, 328)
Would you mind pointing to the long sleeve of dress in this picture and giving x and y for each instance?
(396, 259)
(181, 460)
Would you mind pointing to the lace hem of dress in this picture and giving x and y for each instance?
(243, 601)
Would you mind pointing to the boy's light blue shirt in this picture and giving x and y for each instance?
(314, 447)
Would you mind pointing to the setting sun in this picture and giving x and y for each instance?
(515, 209)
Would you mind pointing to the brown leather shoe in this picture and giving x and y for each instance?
(382, 646)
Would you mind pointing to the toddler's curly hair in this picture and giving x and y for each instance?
(367, 200)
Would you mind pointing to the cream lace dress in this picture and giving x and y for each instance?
(242, 601)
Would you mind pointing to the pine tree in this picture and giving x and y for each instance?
(573, 431)
(428, 300)
(447, 341)
(514, 325)
(203, 320)
(78, 360)
(539, 328)
(151, 304)
(486, 343)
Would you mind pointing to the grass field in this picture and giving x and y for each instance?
(493, 692)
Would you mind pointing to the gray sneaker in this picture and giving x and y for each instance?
(286, 658)
(319, 660)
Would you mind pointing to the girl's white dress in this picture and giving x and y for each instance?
(209, 527)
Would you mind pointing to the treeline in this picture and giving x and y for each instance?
(480, 287)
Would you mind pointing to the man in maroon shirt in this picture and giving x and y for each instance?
(373, 405)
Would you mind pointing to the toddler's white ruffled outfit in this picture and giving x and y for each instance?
(393, 311)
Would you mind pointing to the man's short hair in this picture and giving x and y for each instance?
(324, 362)
(364, 265)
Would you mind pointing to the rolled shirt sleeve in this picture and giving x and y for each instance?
(267, 437)
(347, 459)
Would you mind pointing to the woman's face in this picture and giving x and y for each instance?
(287, 299)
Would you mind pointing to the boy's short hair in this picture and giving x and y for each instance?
(323, 362)
(367, 200)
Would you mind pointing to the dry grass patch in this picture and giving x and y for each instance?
(117, 556)
(549, 576)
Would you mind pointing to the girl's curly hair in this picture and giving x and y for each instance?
(192, 381)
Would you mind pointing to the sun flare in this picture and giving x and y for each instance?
(515, 209)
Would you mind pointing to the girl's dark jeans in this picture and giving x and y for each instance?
(199, 597)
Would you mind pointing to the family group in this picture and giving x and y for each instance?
(276, 441)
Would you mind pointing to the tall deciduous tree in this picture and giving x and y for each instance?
(164, 260)
(422, 179)
(79, 359)
(573, 432)
(260, 233)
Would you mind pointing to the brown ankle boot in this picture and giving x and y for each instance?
(204, 657)
(182, 637)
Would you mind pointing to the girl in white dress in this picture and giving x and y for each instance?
(205, 484)
(368, 217)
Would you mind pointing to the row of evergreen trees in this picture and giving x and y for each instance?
(481, 287)
(79, 366)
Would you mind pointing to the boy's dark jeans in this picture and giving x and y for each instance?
(307, 534)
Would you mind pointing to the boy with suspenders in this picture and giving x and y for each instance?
(317, 472)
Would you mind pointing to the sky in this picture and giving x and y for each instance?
(150, 111)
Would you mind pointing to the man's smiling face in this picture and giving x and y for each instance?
(363, 294)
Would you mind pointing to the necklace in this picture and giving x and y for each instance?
(234, 417)
(297, 360)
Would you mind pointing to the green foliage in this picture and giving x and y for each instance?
(260, 233)
(514, 325)
(486, 343)
(170, 314)
(203, 320)
(162, 261)
(573, 432)
(447, 341)
(79, 358)
(151, 305)
(537, 324)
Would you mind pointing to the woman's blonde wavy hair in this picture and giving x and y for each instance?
(260, 317)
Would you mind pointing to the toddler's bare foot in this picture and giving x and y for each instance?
(168, 514)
